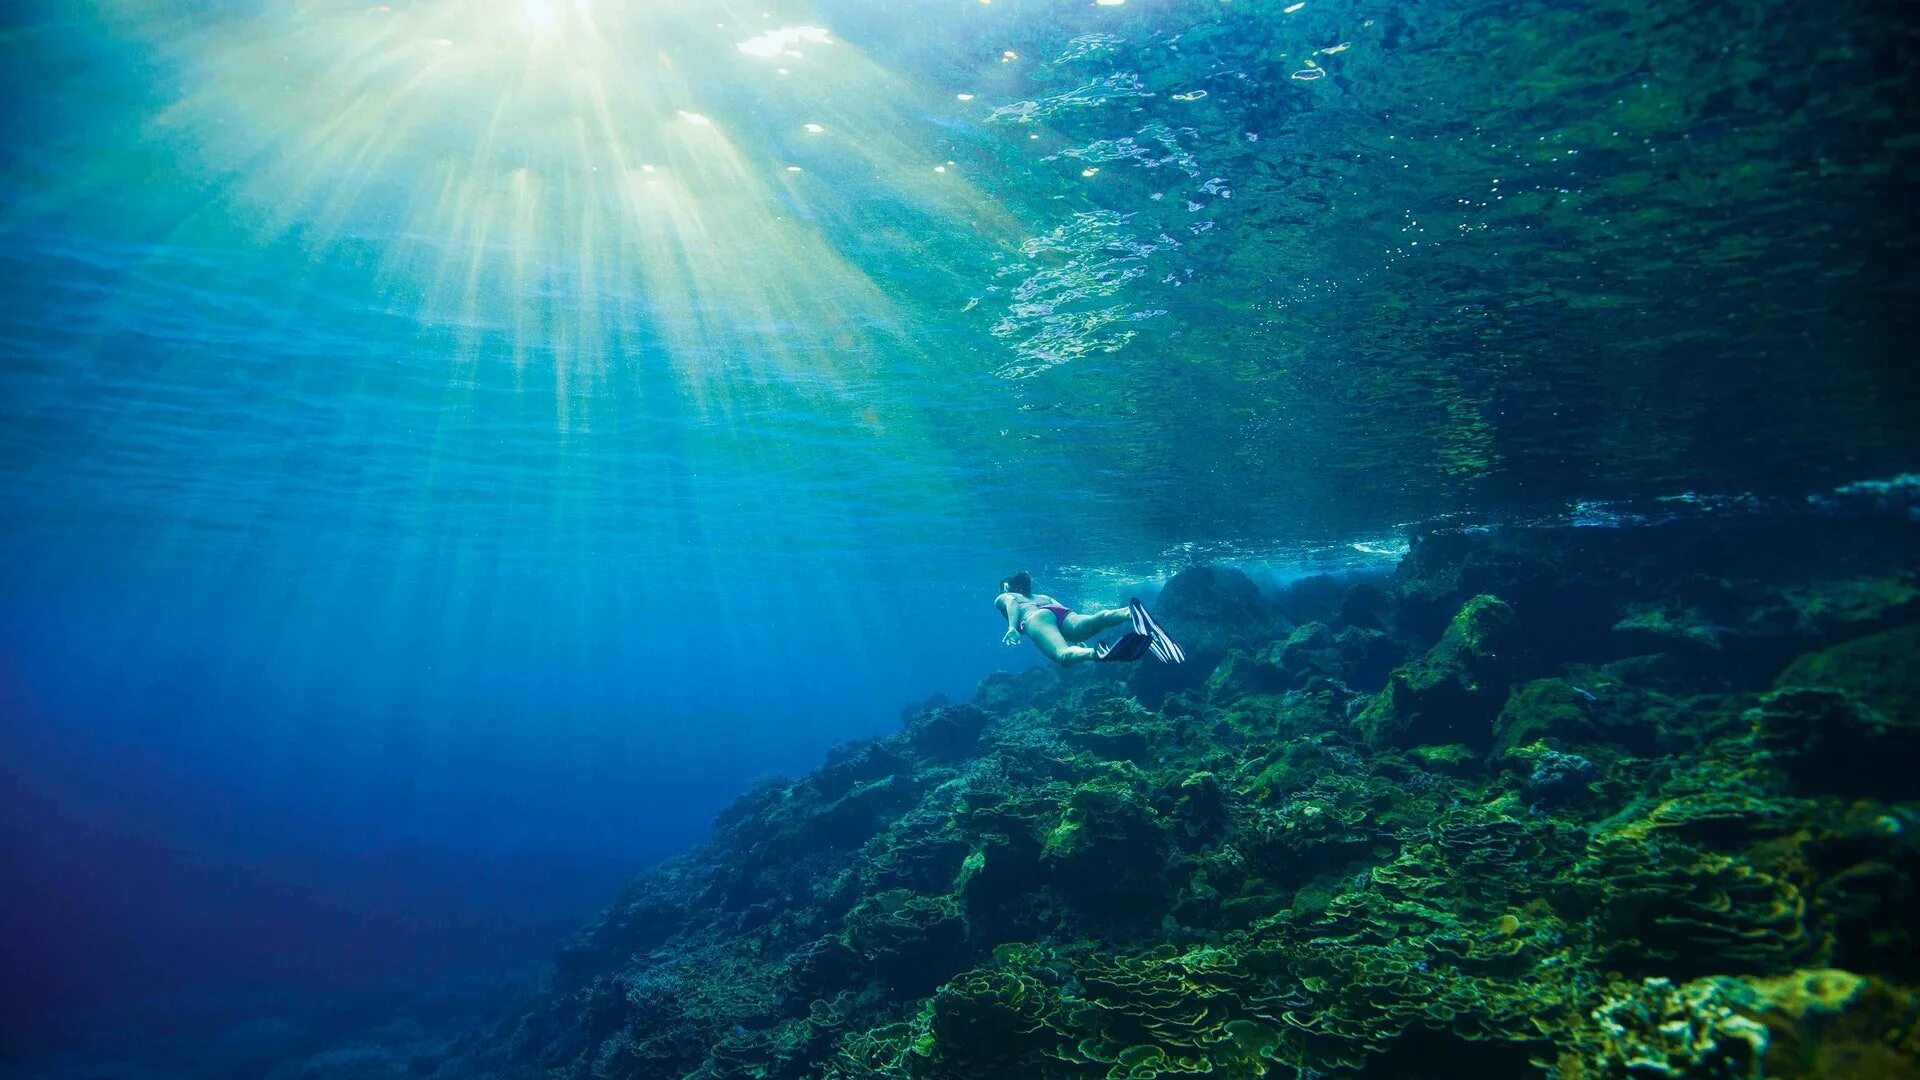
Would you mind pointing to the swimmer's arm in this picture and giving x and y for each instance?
(1007, 604)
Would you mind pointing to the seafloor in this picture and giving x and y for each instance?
(1578, 802)
(1565, 801)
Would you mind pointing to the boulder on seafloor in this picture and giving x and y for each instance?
(1355, 657)
(1566, 603)
(1108, 851)
(1213, 608)
(1312, 599)
(1586, 708)
(1453, 692)
(1209, 610)
(1828, 742)
(1453, 759)
(947, 732)
(1366, 606)
(1882, 671)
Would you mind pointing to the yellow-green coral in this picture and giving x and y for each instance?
(1622, 868)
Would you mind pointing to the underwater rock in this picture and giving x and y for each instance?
(1355, 656)
(1701, 587)
(1003, 692)
(1244, 675)
(1881, 671)
(1453, 759)
(1210, 611)
(947, 732)
(1594, 710)
(1659, 630)
(1310, 650)
(1547, 709)
(1827, 741)
(1310, 653)
(1831, 610)
(1366, 607)
(1367, 657)
(1745, 632)
(1452, 693)
(1312, 599)
(1567, 604)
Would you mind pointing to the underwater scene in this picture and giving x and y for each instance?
(959, 539)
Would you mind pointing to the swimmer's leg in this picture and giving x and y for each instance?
(1047, 637)
(1078, 626)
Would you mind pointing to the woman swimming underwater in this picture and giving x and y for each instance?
(1060, 633)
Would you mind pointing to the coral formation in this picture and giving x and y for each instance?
(1571, 803)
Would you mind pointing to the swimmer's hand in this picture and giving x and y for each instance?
(1012, 638)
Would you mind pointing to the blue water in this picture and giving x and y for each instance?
(448, 452)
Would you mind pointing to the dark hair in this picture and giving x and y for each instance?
(1021, 583)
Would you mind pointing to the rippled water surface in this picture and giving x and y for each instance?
(1184, 272)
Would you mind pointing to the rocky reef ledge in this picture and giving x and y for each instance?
(1550, 802)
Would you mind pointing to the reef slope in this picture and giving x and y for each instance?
(1564, 802)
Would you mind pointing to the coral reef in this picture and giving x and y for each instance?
(1557, 802)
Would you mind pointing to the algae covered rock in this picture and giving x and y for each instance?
(1592, 710)
(1211, 611)
(1215, 608)
(1827, 741)
(1311, 651)
(947, 732)
(1882, 671)
(1518, 853)
(1452, 693)
(1243, 674)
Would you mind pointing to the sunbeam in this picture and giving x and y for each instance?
(568, 177)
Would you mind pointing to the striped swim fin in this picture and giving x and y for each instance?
(1124, 649)
(1163, 646)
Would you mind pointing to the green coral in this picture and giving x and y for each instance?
(1827, 1024)
(1525, 853)
(909, 941)
(1451, 694)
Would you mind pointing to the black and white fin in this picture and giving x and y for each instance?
(1163, 646)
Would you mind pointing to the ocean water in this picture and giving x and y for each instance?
(450, 449)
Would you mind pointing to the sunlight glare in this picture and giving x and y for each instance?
(560, 178)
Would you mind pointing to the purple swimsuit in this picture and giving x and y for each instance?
(1060, 611)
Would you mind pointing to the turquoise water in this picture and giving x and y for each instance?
(449, 448)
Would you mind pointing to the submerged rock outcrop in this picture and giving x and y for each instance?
(1569, 803)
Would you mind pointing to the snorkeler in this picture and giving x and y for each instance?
(1060, 633)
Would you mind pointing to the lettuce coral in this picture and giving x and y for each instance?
(1454, 820)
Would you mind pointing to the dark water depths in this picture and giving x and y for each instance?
(447, 451)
